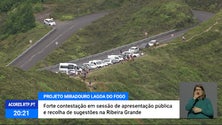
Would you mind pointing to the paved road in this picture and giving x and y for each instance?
(162, 38)
(62, 32)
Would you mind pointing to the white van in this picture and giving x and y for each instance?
(68, 68)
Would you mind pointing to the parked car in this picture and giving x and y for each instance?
(116, 57)
(134, 49)
(126, 54)
(152, 43)
(135, 54)
(68, 68)
(107, 62)
(49, 22)
(89, 66)
(79, 69)
(98, 63)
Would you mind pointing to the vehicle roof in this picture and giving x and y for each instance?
(67, 64)
(126, 52)
(153, 40)
(134, 47)
(49, 19)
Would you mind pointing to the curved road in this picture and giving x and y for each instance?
(66, 29)
(201, 16)
(61, 32)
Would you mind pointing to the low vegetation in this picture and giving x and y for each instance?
(69, 9)
(207, 5)
(122, 26)
(154, 76)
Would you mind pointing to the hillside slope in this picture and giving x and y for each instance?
(122, 26)
(157, 75)
(154, 76)
(17, 84)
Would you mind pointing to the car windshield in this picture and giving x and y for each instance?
(91, 64)
(71, 66)
(133, 48)
(99, 62)
(49, 20)
(152, 41)
(106, 60)
(126, 53)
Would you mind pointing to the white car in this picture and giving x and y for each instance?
(153, 43)
(98, 63)
(117, 57)
(135, 54)
(49, 22)
(134, 49)
(107, 62)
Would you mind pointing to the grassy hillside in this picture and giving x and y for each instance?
(69, 9)
(156, 75)
(14, 45)
(207, 5)
(11, 45)
(124, 25)
(17, 84)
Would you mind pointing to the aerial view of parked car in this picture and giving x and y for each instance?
(49, 22)
(134, 49)
(89, 66)
(68, 68)
(98, 63)
(152, 43)
(71, 68)
(115, 58)
(107, 62)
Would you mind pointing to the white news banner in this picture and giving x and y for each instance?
(124, 109)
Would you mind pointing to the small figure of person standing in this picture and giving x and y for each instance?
(183, 38)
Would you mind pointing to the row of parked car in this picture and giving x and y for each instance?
(72, 68)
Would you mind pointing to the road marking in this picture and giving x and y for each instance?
(30, 59)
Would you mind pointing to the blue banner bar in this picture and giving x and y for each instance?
(21, 104)
(83, 96)
(21, 113)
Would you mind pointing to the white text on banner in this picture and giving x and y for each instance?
(109, 109)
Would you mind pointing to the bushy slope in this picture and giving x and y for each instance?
(158, 74)
(11, 45)
(207, 5)
(154, 76)
(17, 84)
(124, 25)
(14, 45)
(69, 9)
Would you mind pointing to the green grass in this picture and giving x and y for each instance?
(122, 26)
(17, 84)
(14, 45)
(157, 74)
(154, 76)
(69, 9)
(207, 5)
